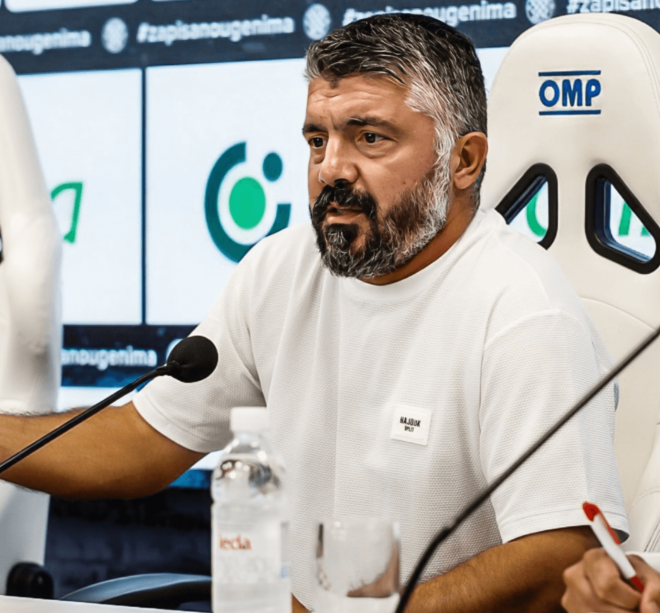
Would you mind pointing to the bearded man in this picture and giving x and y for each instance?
(420, 307)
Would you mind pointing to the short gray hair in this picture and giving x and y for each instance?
(437, 63)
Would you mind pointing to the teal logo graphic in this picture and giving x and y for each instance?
(247, 201)
(76, 187)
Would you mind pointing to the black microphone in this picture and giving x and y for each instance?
(484, 495)
(193, 359)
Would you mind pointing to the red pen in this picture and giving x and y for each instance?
(611, 543)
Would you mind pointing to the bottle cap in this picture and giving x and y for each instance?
(248, 419)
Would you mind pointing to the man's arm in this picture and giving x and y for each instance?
(114, 454)
(522, 575)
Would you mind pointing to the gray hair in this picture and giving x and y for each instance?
(437, 63)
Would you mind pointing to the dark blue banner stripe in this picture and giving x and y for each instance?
(569, 112)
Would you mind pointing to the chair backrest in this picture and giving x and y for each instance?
(30, 328)
(576, 102)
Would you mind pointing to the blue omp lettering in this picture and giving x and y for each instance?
(571, 93)
(555, 93)
(592, 90)
(573, 96)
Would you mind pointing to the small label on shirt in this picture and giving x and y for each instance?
(411, 424)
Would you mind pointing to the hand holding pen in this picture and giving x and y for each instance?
(595, 583)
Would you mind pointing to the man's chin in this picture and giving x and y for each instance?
(344, 236)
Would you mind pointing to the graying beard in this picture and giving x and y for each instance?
(397, 247)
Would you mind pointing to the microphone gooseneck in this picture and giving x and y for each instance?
(447, 531)
(193, 359)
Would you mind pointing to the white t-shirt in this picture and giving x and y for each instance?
(405, 400)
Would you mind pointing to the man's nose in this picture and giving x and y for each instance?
(337, 165)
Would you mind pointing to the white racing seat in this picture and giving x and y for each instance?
(577, 102)
(30, 328)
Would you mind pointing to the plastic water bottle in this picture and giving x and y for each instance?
(250, 558)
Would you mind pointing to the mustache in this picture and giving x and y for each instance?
(343, 196)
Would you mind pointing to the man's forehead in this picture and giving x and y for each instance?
(358, 96)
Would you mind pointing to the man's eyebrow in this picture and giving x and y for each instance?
(370, 120)
(366, 120)
(311, 127)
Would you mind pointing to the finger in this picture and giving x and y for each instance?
(606, 581)
(650, 602)
(649, 605)
(642, 569)
(579, 596)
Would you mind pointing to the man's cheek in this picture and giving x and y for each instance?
(314, 192)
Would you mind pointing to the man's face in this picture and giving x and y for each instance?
(376, 195)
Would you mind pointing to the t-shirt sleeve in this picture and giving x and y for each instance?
(533, 372)
(196, 415)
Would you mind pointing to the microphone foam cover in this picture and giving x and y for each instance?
(193, 359)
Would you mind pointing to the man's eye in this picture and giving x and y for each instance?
(372, 138)
(316, 142)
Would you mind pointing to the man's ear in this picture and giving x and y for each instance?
(467, 159)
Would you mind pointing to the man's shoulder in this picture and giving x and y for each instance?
(518, 285)
(513, 278)
(506, 257)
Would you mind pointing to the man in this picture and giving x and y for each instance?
(405, 368)
(595, 584)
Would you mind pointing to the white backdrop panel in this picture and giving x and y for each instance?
(87, 126)
(194, 115)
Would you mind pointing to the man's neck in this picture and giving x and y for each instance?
(459, 216)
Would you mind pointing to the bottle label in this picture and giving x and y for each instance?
(248, 553)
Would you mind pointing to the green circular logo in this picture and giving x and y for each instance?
(247, 203)
(272, 167)
(247, 200)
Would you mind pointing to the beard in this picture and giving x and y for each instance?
(415, 217)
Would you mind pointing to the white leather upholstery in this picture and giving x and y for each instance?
(626, 136)
(30, 329)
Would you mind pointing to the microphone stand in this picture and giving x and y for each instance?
(86, 414)
(447, 531)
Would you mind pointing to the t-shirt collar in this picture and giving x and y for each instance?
(415, 283)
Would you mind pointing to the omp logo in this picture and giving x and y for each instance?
(570, 92)
(246, 201)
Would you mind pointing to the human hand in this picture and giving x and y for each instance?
(595, 584)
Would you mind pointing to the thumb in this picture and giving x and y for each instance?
(651, 579)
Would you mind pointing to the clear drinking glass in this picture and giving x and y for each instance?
(357, 565)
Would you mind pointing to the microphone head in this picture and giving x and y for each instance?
(193, 359)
